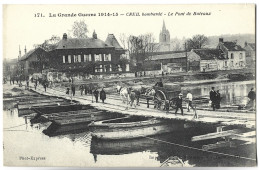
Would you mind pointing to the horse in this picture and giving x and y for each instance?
(150, 92)
(123, 93)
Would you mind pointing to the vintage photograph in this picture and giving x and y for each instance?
(129, 85)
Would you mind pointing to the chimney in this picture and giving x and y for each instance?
(94, 35)
(64, 36)
(25, 50)
(221, 40)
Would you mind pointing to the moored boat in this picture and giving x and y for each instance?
(132, 127)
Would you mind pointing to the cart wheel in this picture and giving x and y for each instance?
(160, 98)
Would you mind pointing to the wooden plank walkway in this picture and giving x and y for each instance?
(245, 120)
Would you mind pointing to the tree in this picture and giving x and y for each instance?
(196, 42)
(49, 44)
(79, 29)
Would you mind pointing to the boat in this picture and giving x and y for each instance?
(132, 127)
(74, 122)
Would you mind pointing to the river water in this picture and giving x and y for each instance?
(25, 140)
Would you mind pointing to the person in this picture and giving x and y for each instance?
(13, 80)
(147, 101)
(103, 95)
(179, 104)
(81, 88)
(35, 85)
(96, 92)
(189, 100)
(17, 79)
(137, 95)
(73, 90)
(45, 86)
(85, 89)
(252, 96)
(132, 98)
(167, 106)
(218, 99)
(27, 83)
(68, 91)
(212, 96)
(159, 83)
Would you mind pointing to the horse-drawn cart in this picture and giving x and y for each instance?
(166, 95)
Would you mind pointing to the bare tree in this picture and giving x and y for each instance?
(49, 44)
(79, 29)
(196, 42)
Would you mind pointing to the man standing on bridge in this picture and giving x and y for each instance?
(179, 104)
(252, 96)
(189, 100)
(212, 96)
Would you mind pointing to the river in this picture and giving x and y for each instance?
(25, 140)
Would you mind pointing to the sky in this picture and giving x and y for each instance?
(21, 27)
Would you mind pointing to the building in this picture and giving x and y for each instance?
(174, 61)
(10, 68)
(250, 54)
(211, 59)
(88, 56)
(33, 61)
(234, 53)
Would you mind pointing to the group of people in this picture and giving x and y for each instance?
(91, 90)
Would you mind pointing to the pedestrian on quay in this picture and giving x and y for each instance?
(16, 79)
(147, 100)
(45, 86)
(132, 98)
(68, 91)
(137, 95)
(13, 80)
(27, 83)
(103, 95)
(189, 101)
(179, 104)
(252, 97)
(73, 89)
(85, 89)
(218, 99)
(212, 96)
(81, 88)
(167, 106)
(96, 92)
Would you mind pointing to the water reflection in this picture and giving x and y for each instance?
(231, 92)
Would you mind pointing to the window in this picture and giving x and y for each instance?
(240, 56)
(225, 64)
(64, 59)
(75, 59)
(89, 57)
(85, 58)
(69, 58)
(79, 58)
(127, 67)
(97, 58)
(232, 64)
(232, 56)
(100, 57)
(98, 69)
(110, 67)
